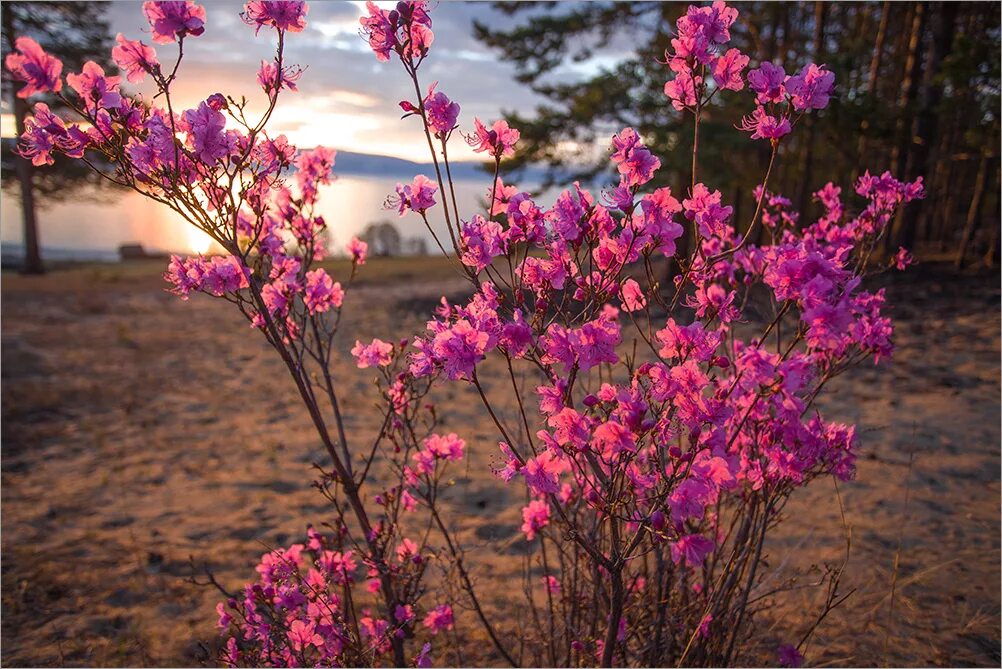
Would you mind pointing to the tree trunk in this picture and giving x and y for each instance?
(806, 176)
(871, 83)
(25, 172)
(24, 169)
(973, 211)
(926, 124)
(906, 104)
(993, 240)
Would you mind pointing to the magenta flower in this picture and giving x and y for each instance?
(38, 70)
(174, 19)
(283, 15)
(713, 22)
(459, 348)
(482, 241)
(423, 659)
(206, 133)
(811, 88)
(693, 548)
(499, 141)
(439, 619)
(789, 656)
(419, 195)
(378, 353)
(134, 58)
(768, 82)
(322, 292)
(44, 132)
(763, 126)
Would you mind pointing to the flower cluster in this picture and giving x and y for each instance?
(295, 615)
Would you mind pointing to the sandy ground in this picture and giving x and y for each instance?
(139, 430)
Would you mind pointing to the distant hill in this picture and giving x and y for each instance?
(367, 164)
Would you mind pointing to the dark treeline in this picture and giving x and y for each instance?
(917, 93)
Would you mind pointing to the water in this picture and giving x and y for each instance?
(94, 227)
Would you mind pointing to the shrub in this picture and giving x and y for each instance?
(669, 425)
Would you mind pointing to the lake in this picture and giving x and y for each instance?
(92, 228)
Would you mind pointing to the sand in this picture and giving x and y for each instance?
(140, 431)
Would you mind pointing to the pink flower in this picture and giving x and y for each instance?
(377, 354)
(284, 15)
(811, 87)
(407, 549)
(96, 90)
(763, 126)
(459, 348)
(321, 292)
(44, 132)
(272, 81)
(313, 168)
(636, 164)
(418, 195)
(902, 259)
(405, 30)
(542, 474)
(38, 70)
(135, 58)
(632, 296)
(767, 81)
(499, 141)
(439, 619)
(358, 250)
(224, 617)
(379, 30)
(551, 584)
(482, 241)
(174, 19)
(612, 438)
(535, 517)
(448, 447)
(682, 90)
(727, 70)
(442, 112)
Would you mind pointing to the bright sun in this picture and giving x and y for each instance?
(198, 241)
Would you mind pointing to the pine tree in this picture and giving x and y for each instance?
(917, 93)
(74, 32)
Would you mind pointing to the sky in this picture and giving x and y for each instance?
(347, 99)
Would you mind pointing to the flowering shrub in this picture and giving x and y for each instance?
(669, 424)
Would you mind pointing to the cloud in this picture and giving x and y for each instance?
(347, 98)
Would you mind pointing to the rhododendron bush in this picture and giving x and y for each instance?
(671, 418)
